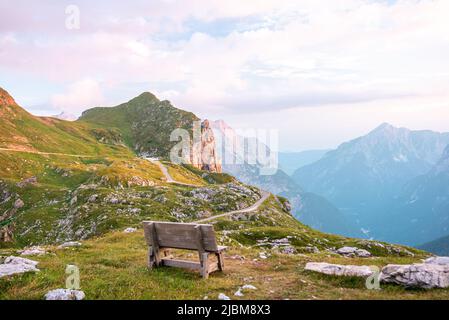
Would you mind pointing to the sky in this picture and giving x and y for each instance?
(320, 72)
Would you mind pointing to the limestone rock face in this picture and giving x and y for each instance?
(422, 275)
(204, 153)
(339, 270)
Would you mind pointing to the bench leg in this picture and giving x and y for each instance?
(154, 259)
(205, 265)
(220, 260)
(151, 260)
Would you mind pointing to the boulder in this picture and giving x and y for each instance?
(65, 294)
(437, 260)
(14, 265)
(222, 296)
(421, 275)
(130, 230)
(249, 287)
(353, 252)
(339, 270)
(33, 251)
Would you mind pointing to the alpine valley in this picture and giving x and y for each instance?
(76, 193)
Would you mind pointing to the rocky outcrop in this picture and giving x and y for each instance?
(204, 153)
(339, 270)
(422, 275)
(14, 265)
(353, 252)
(6, 99)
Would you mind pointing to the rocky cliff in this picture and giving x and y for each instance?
(146, 125)
(204, 151)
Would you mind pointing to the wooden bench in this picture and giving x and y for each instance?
(161, 236)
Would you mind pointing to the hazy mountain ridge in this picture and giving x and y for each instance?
(423, 207)
(307, 207)
(366, 176)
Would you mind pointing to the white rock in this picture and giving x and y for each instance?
(437, 260)
(222, 296)
(14, 265)
(262, 255)
(130, 230)
(353, 251)
(249, 287)
(339, 270)
(65, 294)
(70, 244)
(33, 251)
(239, 293)
(422, 275)
(18, 204)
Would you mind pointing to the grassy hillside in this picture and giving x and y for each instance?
(19, 130)
(145, 122)
(114, 266)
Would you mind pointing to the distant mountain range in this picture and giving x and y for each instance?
(389, 182)
(309, 208)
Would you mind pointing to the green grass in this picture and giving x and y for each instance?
(114, 267)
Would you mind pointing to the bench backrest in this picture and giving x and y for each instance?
(181, 235)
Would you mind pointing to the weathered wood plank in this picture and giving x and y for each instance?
(183, 235)
(181, 264)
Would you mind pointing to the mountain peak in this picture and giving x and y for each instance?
(145, 97)
(5, 98)
(384, 127)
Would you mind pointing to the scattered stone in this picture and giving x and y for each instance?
(19, 204)
(422, 275)
(239, 293)
(114, 201)
(437, 260)
(65, 294)
(70, 244)
(288, 250)
(312, 249)
(130, 230)
(262, 255)
(14, 265)
(222, 296)
(353, 252)
(93, 198)
(25, 182)
(249, 287)
(74, 201)
(339, 270)
(33, 251)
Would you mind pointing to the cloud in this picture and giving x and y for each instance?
(231, 57)
(79, 96)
